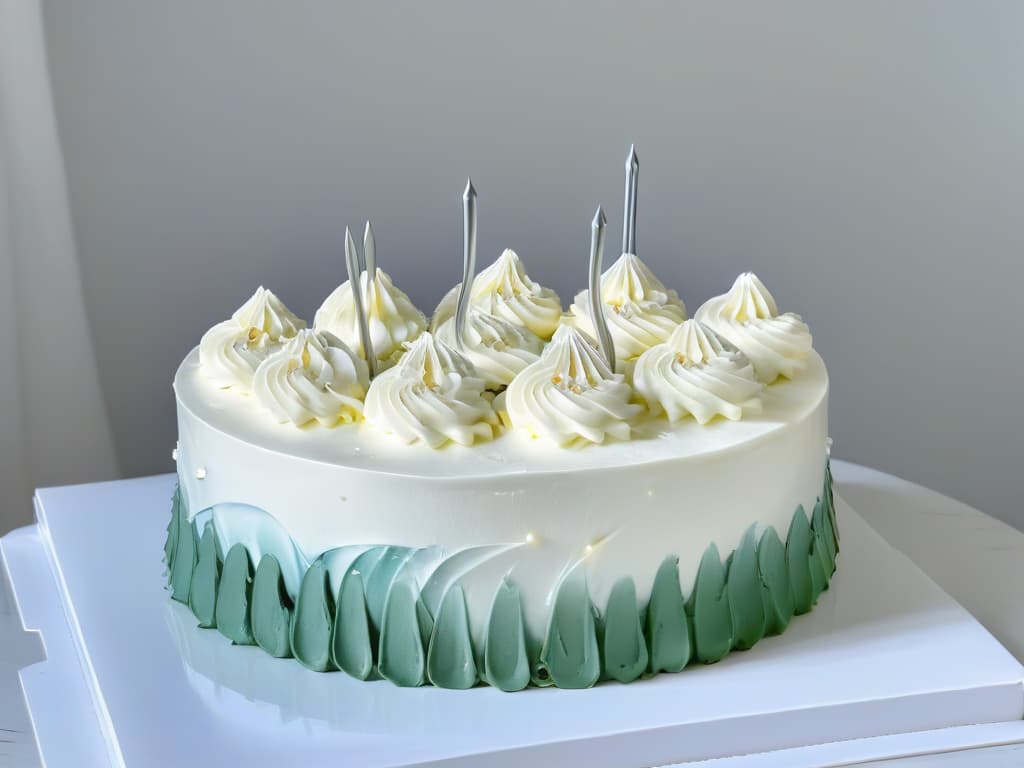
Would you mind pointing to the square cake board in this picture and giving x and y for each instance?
(885, 659)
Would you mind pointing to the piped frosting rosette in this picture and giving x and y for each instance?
(641, 311)
(231, 351)
(696, 373)
(506, 291)
(570, 395)
(314, 377)
(747, 317)
(393, 319)
(433, 395)
(499, 350)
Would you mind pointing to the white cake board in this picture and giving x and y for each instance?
(885, 656)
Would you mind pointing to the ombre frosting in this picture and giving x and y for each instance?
(696, 373)
(747, 317)
(570, 395)
(506, 291)
(433, 395)
(392, 317)
(498, 349)
(231, 351)
(640, 310)
(315, 377)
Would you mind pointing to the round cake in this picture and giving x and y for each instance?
(493, 497)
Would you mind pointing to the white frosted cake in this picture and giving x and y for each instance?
(514, 512)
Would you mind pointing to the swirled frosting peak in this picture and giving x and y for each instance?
(392, 317)
(696, 373)
(641, 311)
(570, 395)
(230, 352)
(747, 317)
(314, 377)
(433, 395)
(506, 291)
(497, 348)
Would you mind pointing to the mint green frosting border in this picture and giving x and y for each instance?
(377, 624)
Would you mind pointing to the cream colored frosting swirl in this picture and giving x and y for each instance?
(497, 348)
(570, 395)
(313, 377)
(432, 395)
(746, 317)
(641, 311)
(230, 352)
(393, 318)
(506, 291)
(696, 373)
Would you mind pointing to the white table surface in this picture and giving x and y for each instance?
(933, 530)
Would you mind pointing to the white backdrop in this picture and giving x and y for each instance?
(53, 421)
(865, 158)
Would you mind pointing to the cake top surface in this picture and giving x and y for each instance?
(511, 452)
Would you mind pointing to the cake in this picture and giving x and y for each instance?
(495, 496)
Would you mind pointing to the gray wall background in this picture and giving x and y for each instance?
(866, 159)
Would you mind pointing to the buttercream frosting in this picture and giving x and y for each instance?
(747, 317)
(498, 349)
(231, 351)
(641, 311)
(570, 395)
(433, 395)
(392, 317)
(506, 291)
(696, 373)
(314, 377)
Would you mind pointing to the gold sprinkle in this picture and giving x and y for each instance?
(556, 379)
(253, 334)
(576, 389)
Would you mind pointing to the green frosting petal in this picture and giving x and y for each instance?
(819, 525)
(234, 597)
(184, 558)
(625, 648)
(172, 532)
(378, 580)
(830, 500)
(709, 609)
(206, 578)
(271, 609)
(506, 665)
(746, 602)
(450, 662)
(668, 633)
(775, 588)
(798, 548)
(351, 645)
(819, 581)
(401, 657)
(314, 618)
(570, 657)
(364, 566)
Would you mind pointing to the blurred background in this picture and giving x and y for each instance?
(865, 159)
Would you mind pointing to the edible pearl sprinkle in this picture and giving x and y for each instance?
(200, 473)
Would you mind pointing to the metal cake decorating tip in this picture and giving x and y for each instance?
(355, 282)
(629, 205)
(604, 338)
(469, 224)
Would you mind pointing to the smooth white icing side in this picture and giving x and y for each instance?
(231, 351)
(747, 317)
(432, 396)
(499, 350)
(313, 377)
(570, 395)
(640, 310)
(670, 489)
(506, 291)
(392, 318)
(695, 373)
